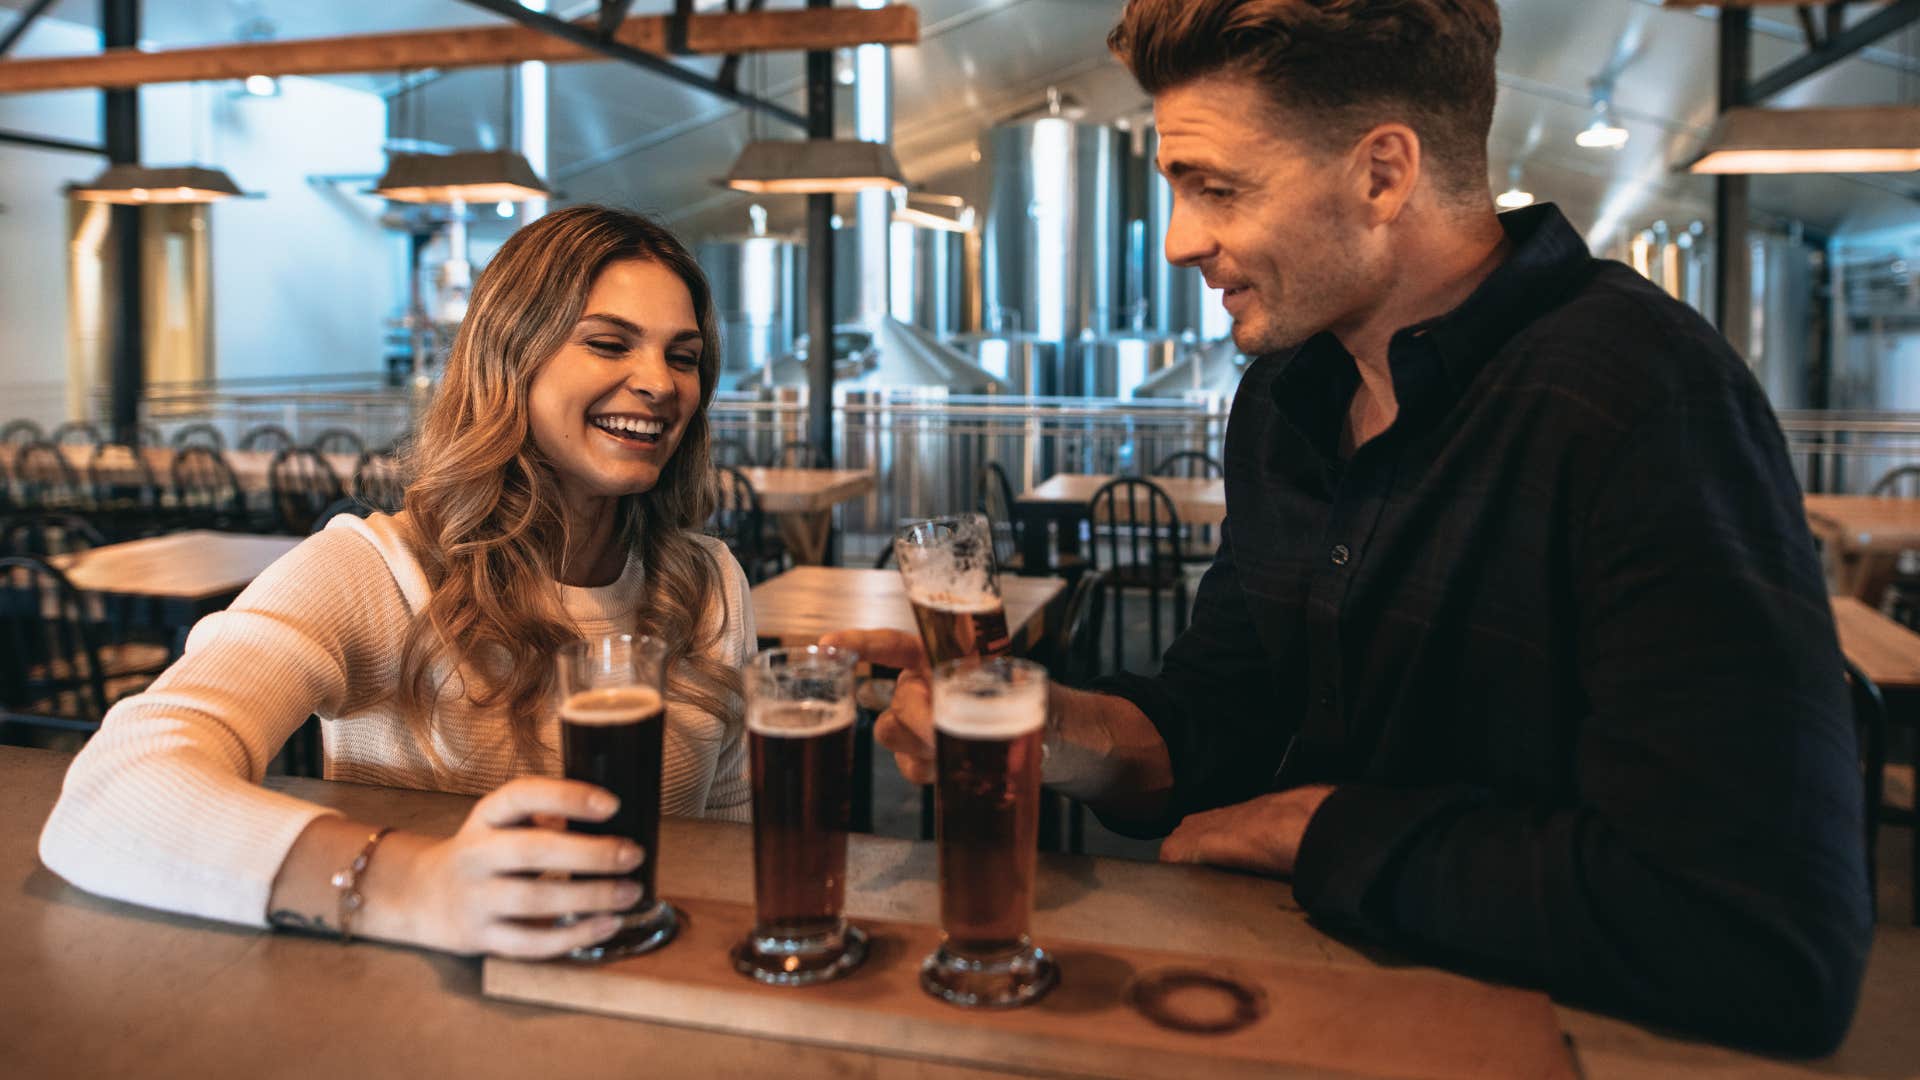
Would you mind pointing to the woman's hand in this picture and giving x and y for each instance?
(493, 887)
(906, 728)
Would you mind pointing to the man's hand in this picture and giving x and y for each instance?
(906, 728)
(1261, 835)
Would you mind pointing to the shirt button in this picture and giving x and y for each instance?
(1341, 554)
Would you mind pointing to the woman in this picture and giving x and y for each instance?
(556, 477)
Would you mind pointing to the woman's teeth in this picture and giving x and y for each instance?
(628, 427)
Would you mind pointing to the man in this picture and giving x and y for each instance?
(1516, 653)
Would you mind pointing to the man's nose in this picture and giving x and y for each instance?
(1189, 242)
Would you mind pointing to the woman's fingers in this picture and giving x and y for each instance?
(535, 898)
(517, 801)
(507, 851)
(523, 942)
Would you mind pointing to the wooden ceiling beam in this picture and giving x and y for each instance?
(479, 46)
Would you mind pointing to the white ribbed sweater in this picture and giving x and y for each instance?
(164, 806)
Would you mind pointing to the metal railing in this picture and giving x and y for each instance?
(1845, 453)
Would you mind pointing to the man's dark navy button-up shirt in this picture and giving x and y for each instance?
(1560, 639)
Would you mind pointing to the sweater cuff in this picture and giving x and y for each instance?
(1352, 848)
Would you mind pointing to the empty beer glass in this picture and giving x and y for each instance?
(800, 713)
(952, 583)
(988, 716)
(613, 720)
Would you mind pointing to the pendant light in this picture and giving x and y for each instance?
(1854, 139)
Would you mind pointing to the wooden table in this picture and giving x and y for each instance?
(90, 987)
(190, 573)
(250, 467)
(797, 607)
(1863, 536)
(1064, 497)
(1888, 653)
(802, 502)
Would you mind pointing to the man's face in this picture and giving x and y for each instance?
(1273, 220)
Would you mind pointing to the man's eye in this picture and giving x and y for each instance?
(1216, 194)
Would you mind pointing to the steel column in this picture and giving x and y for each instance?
(820, 262)
(1733, 269)
(120, 116)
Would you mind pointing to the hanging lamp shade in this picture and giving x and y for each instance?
(476, 176)
(1858, 139)
(814, 167)
(145, 185)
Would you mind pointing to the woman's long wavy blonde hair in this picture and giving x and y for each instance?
(484, 507)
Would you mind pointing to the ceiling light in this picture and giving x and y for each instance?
(141, 185)
(813, 167)
(262, 85)
(1515, 196)
(1603, 131)
(477, 176)
(1861, 139)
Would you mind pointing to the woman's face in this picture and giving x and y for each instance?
(610, 407)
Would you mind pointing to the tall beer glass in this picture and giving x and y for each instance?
(612, 726)
(947, 563)
(987, 720)
(800, 734)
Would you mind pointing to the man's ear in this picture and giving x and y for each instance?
(1386, 166)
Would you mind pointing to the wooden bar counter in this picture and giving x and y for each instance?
(90, 987)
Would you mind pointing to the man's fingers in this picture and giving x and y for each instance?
(917, 770)
(518, 801)
(887, 648)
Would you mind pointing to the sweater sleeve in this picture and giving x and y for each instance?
(731, 796)
(164, 806)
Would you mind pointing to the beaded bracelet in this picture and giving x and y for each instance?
(348, 882)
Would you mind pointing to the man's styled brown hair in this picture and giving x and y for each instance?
(1336, 68)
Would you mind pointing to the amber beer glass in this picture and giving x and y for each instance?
(612, 727)
(800, 736)
(987, 718)
(947, 563)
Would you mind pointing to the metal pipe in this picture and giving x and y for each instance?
(1837, 47)
(120, 120)
(1734, 286)
(820, 261)
(20, 25)
(45, 143)
(587, 39)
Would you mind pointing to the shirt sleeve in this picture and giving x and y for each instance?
(163, 807)
(1217, 703)
(1708, 869)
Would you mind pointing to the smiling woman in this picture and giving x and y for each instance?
(558, 477)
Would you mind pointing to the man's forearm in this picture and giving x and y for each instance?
(1103, 751)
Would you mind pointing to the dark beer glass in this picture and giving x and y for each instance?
(613, 721)
(947, 563)
(988, 718)
(800, 713)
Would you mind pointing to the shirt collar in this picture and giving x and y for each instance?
(1548, 258)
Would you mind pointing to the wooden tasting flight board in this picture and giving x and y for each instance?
(1317, 1020)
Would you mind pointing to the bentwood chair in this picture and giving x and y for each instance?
(125, 497)
(1870, 731)
(338, 440)
(268, 438)
(44, 480)
(201, 434)
(1903, 590)
(206, 493)
(739, 522)
(1200, 546)
(56, 671)
(377, 483)
(731, 452)
(302, 486)
(18, 433)
(1136, 546)
(76, 433)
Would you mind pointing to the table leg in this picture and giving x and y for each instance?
(1033, 540)
(806, 535)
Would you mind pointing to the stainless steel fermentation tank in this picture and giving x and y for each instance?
(758, 294)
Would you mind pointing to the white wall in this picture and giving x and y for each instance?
(303, 278)
(33, 229)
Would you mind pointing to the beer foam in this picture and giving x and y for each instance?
(968, 604)
(610, 706)
(1015, 709)
(798, 719)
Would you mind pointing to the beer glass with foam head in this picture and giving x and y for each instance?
(947, 563)
(800, 732)
(987, 720)
(613, 719)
